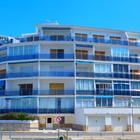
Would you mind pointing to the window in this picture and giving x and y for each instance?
(23, 50)
(99, 38)
(136, 103)
(81, 103)
(47, 103)
(120, 68)
(56, 88)
(99, 55)
(66, 103)
(103, 102)
(84, 84)
(121, 102)
(25, 103)
(135, 85)
(115, 40)
(134, 58)
(26, 89)
(81, 54)
(57, 53)
(132, 41)
(102, 68)
(103, 88)
(80, 37)
(121, 86)
(120, 52)
(57, 37)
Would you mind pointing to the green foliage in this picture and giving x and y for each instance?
(16, 116)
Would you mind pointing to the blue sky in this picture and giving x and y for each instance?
(19, 17)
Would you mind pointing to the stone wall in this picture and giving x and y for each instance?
(17, 125)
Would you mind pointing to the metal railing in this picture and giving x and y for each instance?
(127, 92)
(110, 92)
(108, 58)
(60, 133)
(83, 39)
(71, 74)
(37, 56)
(36, 92)
(71, 56)
(35, 74)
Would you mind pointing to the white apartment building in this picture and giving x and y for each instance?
(88, 76)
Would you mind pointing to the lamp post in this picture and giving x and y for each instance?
(132, 127)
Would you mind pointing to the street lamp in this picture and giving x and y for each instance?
(132, 127)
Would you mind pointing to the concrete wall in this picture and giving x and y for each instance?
(68, 84)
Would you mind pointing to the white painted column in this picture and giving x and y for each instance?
(129, 119)
(74, 74)
(130, 122)
(86, 118)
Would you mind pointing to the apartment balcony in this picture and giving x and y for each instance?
(44, 110)
(82, 39)
(26, 92)
(38, 110)
(36, 74)
(57, 74)
(109, 75)
(37, 56)
(108, 58)
(70, 56)
(110, 92)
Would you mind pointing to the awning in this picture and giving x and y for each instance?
(83, 62)
(81, 45)
(85, 97)
(135, 97)
(14, 98)
(2, 83)
(104, 96)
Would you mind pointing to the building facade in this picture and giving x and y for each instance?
(88, 76)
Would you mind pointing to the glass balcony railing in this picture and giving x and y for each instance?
(44, 110)
(36, 92)
(37, 56)
(22, 74)
(123, 92)
(57, 74)
(38, 110)
(111, 92)
(109, 75)
(71, 74)
(70, 56)
(35, 74)
(108, 58)
(82, 39)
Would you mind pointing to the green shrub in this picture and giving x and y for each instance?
(16, 116)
